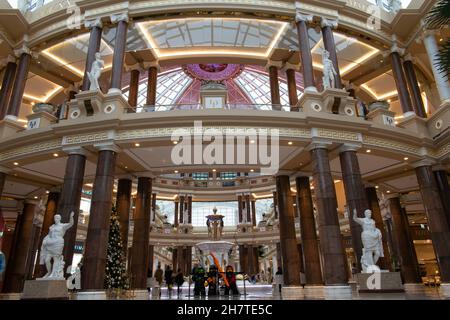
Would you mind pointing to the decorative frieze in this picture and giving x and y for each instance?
(30, 149)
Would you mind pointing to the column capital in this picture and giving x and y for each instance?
(107, 146)
(395, 47)
(272, 63)
(318, 145)
(409, 57)
(132, 67)
(32, 202)
(350, 147)
(120, 16)
(125, 177)
(289, 66)
(423, 163)
(284, 173)
(149, 64)
(369, 185)
(332, 23)
(92, 23)
(150, 175)
(301, 16)
(75, 150)
(55, 189)
(8, 59)
(436, 167)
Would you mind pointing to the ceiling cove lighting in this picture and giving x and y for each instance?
(47, 97)
(142, 27)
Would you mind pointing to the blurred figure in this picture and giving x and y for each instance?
(179, 280)
(230, 283)
(168, 277)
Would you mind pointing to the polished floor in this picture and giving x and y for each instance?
(266, 292)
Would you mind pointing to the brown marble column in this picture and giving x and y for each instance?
(240, 208)
(437, 220)
(176, 213)
(254, 213)
(279, 256)
(123, 205)
(256, 259)
(248, 208)
(444, 191)
(2, 183)
(180, 260)
(334, 268)
(403, 240)
(94, 258)
(400, 82)
(71, 197)
(355, 195)
(250, 260)
(241, 258)
(292, 89)
(330, 46)
(95, 39)
(372, 200)
(300, 255)
(19, 85)
(274, 88)
(288, 240)
(50, 211)
(134, 90)
(182, 208)
(141, 221)
(414, 89)
(151, 255)
(175, 258)
(33, 252)
(119, 52)
(16, 269)
(151, 85)
(153, 206)
(275, 204)
(189, 208)
(189, 260)
(7, 84)
(305, 51)
(310, 244)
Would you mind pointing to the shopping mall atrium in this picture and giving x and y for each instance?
(218, 135)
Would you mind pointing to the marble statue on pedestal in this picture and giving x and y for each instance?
(52, 248)
(329, 72)
(372, 242)
(160, 219)
(186, 217)
(96, 72)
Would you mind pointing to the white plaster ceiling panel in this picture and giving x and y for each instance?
(40, 89)
(403, 183)
(13, 188)
(367, 163)
(382, 87)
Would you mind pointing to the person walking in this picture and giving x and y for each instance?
(168, 277)
(179, 280)
(159, 277)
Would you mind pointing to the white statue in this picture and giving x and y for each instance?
(371, 239)
(244, 216)
(52, 248)
(329, 72)
(96, 72)
(160, 219)
(185, 217)
(269, 216)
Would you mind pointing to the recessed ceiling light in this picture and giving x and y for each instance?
(176, 171)
(252, 141)
(290, 143)
(368, 151)
(126, 167)
(137, 144)
(47, 192)
(175, 142)
(35, 197)
(252, 170)
(389, 100)
(56, 155)
(16, 163)
(405, 158)
(376, 187)
(388, 191)
(214, 170)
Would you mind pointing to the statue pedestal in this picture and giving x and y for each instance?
(379, 282)
(45, 290)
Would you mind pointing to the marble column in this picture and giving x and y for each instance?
(151, 85)
(248, 208)
(16, 269)
(300, 254)
(32, 262)
(403, 240)
(95, 39)
(7, 84)
(330, 46)
(354, 194)
(119, 51)
(437, 220)
(373, 204)
(151, 255)
(176, 214)
(134, 90)
(180, 261)
(310, 244)
(71, 197)
(123, 205)
(50, 211)
(275, 204)
(274, 88)
(288, 240)
(334, 268)
(305, 51)
(19, 85)
(175, 258)
(242, 258)
(189, 260)
(442, 81)
(94, 259)
(400, 82)
(189, 208)
(292, 89)
(279, 256)
(240, 208)
(141, 221)
(153, 206)
(182, 208)
(254, 213)
(414, 89)
(444, 191)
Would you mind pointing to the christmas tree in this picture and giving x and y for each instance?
(115, 274)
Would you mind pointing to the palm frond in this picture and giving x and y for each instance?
(439, 16)
(443, 60)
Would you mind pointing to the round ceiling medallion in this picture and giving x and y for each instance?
(213, 71)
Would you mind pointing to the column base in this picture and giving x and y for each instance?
(45, 290)
(314, 292)
(338, 292)
(90, 295)
(141, 294)
(10, 296)
(292, 293)
(444, 290)
(414, 287)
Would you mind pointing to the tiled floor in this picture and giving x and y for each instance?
(264, 292)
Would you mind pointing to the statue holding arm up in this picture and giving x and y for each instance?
(371, 239)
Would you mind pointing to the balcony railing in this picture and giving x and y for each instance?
(198, 106)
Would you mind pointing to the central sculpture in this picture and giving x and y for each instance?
(372, 242)
(214, 223)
